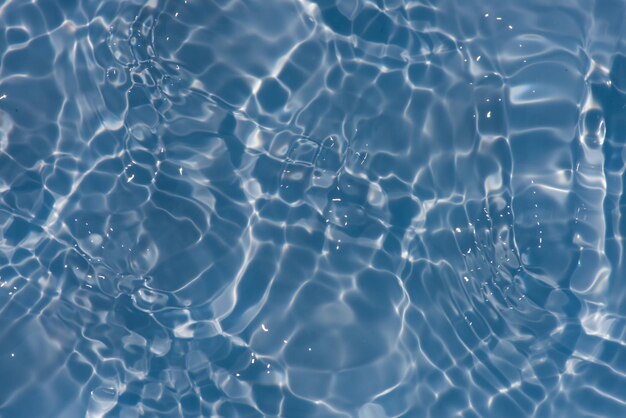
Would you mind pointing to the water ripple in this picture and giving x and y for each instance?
(311, 209)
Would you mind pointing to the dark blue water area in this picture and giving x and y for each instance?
(312, 208)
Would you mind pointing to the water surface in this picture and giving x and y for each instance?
(332, 208)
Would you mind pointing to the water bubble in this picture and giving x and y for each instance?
(112, 75)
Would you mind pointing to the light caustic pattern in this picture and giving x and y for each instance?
(353, 208)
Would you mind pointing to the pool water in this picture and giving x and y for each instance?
(312, 208)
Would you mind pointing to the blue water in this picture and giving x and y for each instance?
(312, 208)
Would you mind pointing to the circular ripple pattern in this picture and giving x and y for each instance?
(314, 208)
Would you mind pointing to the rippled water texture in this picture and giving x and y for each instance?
(298, 208)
